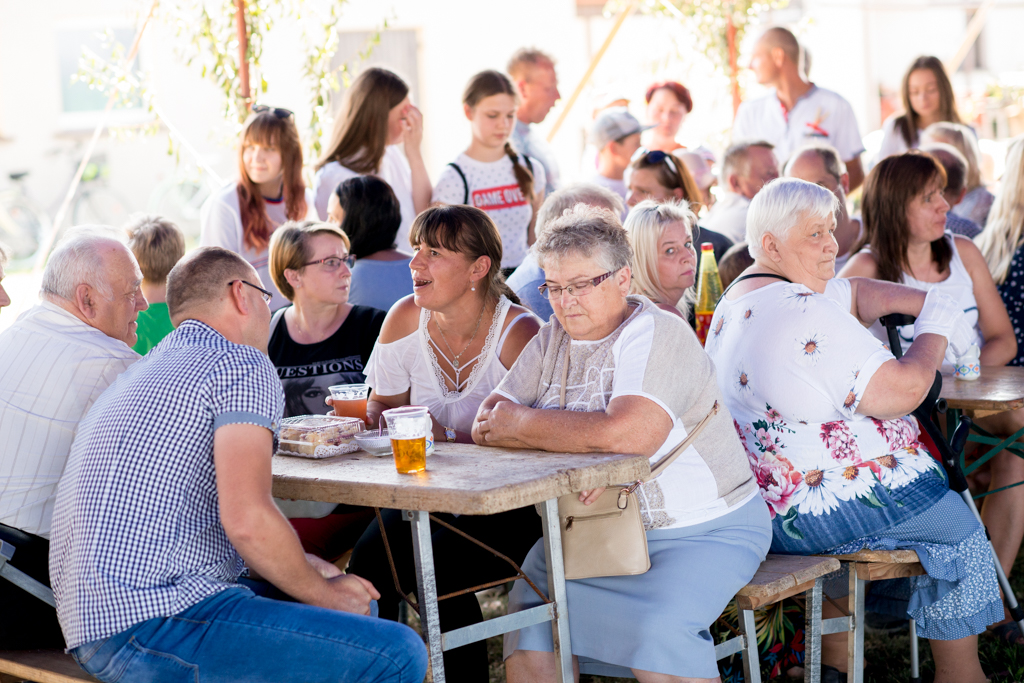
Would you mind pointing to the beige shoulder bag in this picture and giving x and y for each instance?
(607, 537)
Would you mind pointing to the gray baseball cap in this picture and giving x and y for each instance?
(614, 124)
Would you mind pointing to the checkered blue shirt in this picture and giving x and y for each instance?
(136, 529)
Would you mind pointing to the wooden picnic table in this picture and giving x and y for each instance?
(465, 479)
(997, 390)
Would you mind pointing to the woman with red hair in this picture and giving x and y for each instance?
(668, 103)
(269, 192)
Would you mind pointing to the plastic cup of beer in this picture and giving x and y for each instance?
(407, 427)
(350, 400)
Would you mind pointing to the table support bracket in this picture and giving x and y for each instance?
(426, 589)
(556, 590)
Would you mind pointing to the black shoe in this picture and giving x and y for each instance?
(876, 622)
(830, 674)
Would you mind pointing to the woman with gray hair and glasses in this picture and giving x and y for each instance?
(821, 407)
(635, 381)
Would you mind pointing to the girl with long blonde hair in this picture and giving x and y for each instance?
(378, 132)
(269, 192)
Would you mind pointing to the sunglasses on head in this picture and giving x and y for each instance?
(276, 111)
(655, 157)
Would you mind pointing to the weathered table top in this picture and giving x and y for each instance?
(460, 478)
(998, 388)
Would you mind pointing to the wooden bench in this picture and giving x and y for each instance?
(41, 666)
(779, 577)
(864, 566)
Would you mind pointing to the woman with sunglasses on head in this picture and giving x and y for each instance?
(490, 174)
(269, 192)
(447, 347)
(319, 341)
(661, 177)
(378, 132)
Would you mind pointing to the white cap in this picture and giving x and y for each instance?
(614, 124)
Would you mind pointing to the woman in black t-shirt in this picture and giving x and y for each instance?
(318, 341)
(321, 339)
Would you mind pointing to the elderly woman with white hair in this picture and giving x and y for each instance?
(611, 373)
(821, 407)
(664, 258)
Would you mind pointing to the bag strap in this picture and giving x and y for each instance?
(662, 464)
(276, 319)
(465, 183)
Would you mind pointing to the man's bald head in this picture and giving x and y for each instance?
(782, 38)
(199, 281)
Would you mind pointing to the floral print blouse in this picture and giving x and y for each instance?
(793, 365)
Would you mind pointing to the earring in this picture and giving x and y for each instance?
(472, 289)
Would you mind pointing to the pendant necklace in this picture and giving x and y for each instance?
(457, 356)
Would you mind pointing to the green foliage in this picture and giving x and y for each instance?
(708, 20)
(207, 39)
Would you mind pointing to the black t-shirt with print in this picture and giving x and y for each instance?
(307, 370)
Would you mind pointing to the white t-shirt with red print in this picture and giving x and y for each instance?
(493, 188)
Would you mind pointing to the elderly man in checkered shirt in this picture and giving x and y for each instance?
(166, 497)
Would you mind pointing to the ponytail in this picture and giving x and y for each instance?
(523, 175)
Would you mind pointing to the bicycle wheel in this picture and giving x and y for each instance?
(100, 206)
(21, 228)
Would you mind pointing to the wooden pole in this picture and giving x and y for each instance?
(730, 35)
(44, 248)
(623, 15)
(973, 29)
(243, 49)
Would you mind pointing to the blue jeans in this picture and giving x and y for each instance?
(237, 636)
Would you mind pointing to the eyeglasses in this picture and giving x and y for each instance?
(267, 296)
(276, 111)
(332, 263)
(575, 289)
(654, 157)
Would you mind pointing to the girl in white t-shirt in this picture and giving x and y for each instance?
(490, 175)
(376, 125)
(270, 191)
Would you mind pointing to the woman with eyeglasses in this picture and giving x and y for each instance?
(447, 347)
(378, 132)
(368, 212)
(612, 374)
(662, 177)
(269, 192)
(319, 341)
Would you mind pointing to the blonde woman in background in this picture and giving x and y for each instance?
(1002, 242)
(664, 256)
(977, 202)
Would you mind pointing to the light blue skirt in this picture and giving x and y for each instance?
(657, 621)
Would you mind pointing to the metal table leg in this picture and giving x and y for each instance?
(812, 633)
(556, 591)
(855, 640)
(426, 589)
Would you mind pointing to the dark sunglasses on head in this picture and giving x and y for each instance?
(276, 111)
(655, 157)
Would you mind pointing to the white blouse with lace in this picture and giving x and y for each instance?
(410, 364)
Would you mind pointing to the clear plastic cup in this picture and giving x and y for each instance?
(408, 428)
(350, 400)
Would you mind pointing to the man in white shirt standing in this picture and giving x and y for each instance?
(533, 72)
(57, 358)
(796, 111)
(746, 168)
(616, 136)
